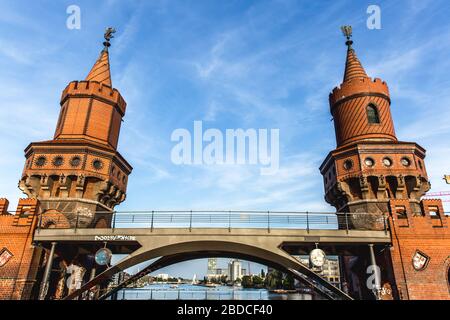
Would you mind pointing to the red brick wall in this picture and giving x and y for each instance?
(428, 235)
(16, 232)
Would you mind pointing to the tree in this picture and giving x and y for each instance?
(263, 274)
(247, 282)
(274, 280)
(257, 281)
(288, 282)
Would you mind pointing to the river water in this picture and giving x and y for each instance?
(197, 292)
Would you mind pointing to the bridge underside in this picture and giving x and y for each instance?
(270, 247)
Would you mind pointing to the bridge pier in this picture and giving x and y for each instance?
(48, 267)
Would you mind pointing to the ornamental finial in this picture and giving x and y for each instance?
(108, 36)
(348, 33)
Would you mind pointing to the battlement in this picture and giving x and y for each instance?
(358, 86)
(27, 205)
(4, 203)
(429, 214)
(94, 88)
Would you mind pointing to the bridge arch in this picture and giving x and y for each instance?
(173, 251)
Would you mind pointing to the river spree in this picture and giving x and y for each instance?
(197, 292)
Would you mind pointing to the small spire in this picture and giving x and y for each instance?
(101, 72)
(109, 34)
(348, 33)
(353, 67)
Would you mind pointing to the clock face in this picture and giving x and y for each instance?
(103, 256)
(317, 257)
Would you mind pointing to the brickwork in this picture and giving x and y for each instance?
(17, 276)
(371, 171)
(428, 234)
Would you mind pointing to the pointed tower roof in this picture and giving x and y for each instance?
(101, 71)
(353, 67)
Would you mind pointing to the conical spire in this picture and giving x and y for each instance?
(101, 70)
(353, 67)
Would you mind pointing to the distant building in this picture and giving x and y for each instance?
(120, 277)
(220, 271)
(234, 270)
(329, 271)
(163, 276)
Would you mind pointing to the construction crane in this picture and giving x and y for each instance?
(438, 194)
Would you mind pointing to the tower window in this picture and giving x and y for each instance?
(372, 114)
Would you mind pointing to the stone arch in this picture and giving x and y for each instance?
(278, 258)
(52, 218)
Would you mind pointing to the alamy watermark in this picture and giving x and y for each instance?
(374, 20)
(74, 19)
(235, 146)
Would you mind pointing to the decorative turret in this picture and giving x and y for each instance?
(80, 170)
(360, 106)
(369, 166)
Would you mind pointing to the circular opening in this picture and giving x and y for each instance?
(369, 162)
(348, 164)
(75, 162)
(97, 164)
(58, 161)
(406, 162)
(387, 162)
(41, 161)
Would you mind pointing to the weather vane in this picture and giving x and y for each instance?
(347, 31)
(108, 36)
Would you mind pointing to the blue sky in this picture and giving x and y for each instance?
(231, 64)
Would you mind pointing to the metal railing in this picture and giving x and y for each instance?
(182, 294)
(215, 219)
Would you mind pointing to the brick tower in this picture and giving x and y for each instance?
(80, 171)
(76, 179)
(371, 172)
(369, 165)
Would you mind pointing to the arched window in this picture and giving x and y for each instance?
(372, 114)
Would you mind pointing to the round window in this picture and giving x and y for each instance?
(41, 161)
(406, 162)
(387, 162)
(75, 162)
(348, 164)
(97, 164)
(369, 162)
(58, 161)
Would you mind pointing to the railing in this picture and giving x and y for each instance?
(180, 294)
(215, 219)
